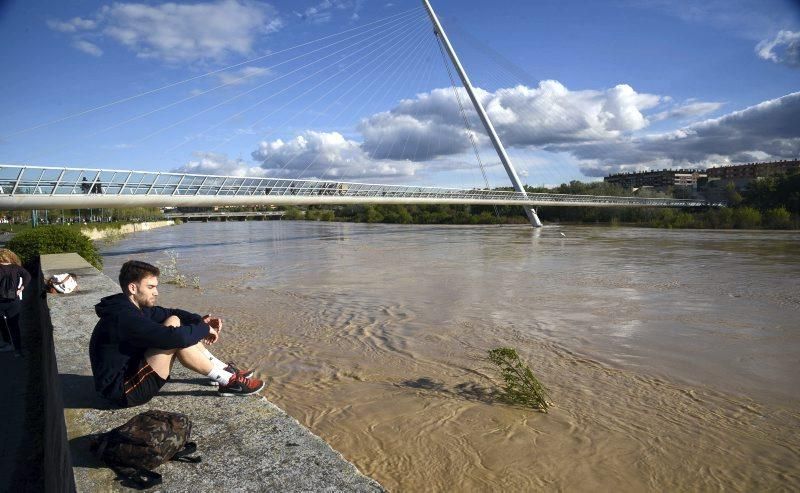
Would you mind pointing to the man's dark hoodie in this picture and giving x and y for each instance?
(125, 332)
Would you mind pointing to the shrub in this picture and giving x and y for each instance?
(170, 273)
(521, 387)
(746, 217)
(293, 213)
(778, 218)
(54, 239)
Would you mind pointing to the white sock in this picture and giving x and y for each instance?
(220, 376)
(218, 363)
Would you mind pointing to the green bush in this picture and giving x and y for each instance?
(54, 239)
(746, 218)
(778, 218)
(521, 387)
(294, 214)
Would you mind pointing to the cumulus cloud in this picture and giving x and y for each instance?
(602, 130)
(87, 47)
(327, 154)
(431, 125)
(209, 163)
(783, 48)
(176, 32)
(765, 131)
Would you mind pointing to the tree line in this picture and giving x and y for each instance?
(768, 203)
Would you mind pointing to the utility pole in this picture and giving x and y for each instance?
(498, 146)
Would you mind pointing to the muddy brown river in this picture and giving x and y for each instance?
(672, 357)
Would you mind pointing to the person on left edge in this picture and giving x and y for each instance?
(135, 343)
(13, 280)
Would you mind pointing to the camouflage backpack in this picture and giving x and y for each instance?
(145, 442)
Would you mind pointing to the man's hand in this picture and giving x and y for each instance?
(212, 337)
(213, 322)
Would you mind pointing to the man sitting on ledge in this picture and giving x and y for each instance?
(135, 343)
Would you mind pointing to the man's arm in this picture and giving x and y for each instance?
(158, 314)
(146, 333)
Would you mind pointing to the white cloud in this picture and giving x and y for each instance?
(73, 25)
(242, 76)
(87, 47)
(209, 163)
(177, 32)
(325, 154)
(431, 125)
(690, 109)
(601, 130)
(322, 12)
(765, 131)
(783, 48)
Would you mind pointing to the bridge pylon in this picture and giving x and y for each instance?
(498, 145)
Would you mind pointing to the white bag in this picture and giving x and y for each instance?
(63, 283)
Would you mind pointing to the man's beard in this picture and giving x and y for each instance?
(146, 302)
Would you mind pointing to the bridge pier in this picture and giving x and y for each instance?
(533, 217)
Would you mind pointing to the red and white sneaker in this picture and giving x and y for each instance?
(240, 385)
(231, 368)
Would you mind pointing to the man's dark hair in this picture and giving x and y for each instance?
(135, 271)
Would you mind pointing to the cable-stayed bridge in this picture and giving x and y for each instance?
(398, 42)
(35, 187)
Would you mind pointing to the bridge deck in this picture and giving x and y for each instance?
(35, 187)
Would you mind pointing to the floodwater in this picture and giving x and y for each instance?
(672, 357)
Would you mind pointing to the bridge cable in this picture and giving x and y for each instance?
(402, 67)
(158, 131)
(396, 43)
(260, 102)
(368, 76)
(196, 77)
(510, 75)
(399, 67)
(404, 22)
(464, 117)
(409, 65)
(412, 49)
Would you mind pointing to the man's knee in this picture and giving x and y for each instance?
(172, 321)
(161, 360)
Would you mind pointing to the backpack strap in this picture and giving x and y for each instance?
(183, 454)
(138, 477)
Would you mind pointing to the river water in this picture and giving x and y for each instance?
(671, 357)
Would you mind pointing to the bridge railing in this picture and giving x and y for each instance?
(43, 181)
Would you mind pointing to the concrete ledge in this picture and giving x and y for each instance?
(247, 443)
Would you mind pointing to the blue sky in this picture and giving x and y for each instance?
(357, 89)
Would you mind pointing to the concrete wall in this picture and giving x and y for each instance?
(247, 443)
(57, 464)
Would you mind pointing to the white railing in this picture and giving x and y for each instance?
(40, 187)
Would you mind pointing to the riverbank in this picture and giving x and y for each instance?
(670, 355)
(743, 218)
(246, 443)
(95, 233)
